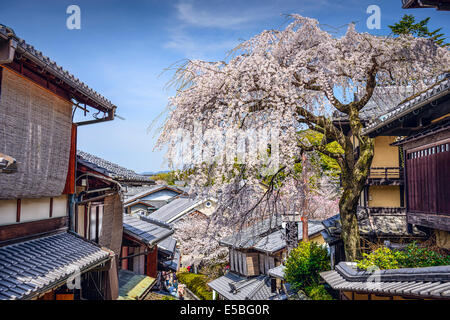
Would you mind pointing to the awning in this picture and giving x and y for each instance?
(30, 268)
(134, 286)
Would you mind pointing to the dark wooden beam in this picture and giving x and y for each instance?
(50, 214)
(19, 201)
(22, 230)
(434, 221)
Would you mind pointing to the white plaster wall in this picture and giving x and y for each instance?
(34, 209)
(60, 206)
(8, 211)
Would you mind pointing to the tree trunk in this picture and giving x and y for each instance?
(350, 230)
(354, 178)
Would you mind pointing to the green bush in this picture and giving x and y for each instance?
(383, 258)
(305, 263)
(197, 283)
(417, 257)
(318, 292)
(412, 257)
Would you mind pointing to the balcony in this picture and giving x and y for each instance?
(385, 176)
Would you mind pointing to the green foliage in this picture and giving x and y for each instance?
(305, 263)
(318, 292)
(413, 256)
(197, 283)
(408, 25)
(383, 258)
(326, 163)
(168, 298)
(416, 257)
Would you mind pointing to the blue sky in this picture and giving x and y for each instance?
(123, 47)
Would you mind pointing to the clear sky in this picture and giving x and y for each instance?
(123, 47)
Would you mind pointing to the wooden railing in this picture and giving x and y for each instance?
(386, 173)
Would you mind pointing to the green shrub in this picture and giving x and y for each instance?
(417, 257)
(197, 283)
(305, 263)
(383, 258)
(318, 292)
(412, 257)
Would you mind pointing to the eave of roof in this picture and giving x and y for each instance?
(429, 282)
(33, 267)
(146, 231)
(20, 46)
(413, 103)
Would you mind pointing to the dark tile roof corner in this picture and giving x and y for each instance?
(414, 102)
(32, 267)
(47, 64)
(148, 231)
(110, 169)
(429, 282)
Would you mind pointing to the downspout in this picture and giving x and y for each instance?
(72, 200)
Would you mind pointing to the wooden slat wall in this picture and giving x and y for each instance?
(20, 230)
(252, 264)
(427, 177)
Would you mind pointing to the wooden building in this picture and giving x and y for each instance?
(41, 254)
(148, 199)
(255, 256)
(423, 123)
(139, 251)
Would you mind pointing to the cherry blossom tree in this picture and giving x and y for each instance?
(198, 238)
(277, 84)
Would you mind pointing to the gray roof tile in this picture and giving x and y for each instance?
(31, 267)
(267, 235)
(174, 208)
(146, 230)
(110, 169)
(429, 282)
(51, 66)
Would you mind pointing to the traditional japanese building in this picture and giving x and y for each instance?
(256, 255)
(422, 122)
(43, 255)
(381, 210)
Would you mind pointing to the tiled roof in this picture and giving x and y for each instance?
(174, 263)
(234, 287)
(380, 224)
(267, 235)
(110, 169)
(47, 64)
(429, 282)
(277, 272)
(415, 102)
(146, 230)
(173, 209)
(135, 193)
(36, 266)
(167, 246)
(134, 286)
